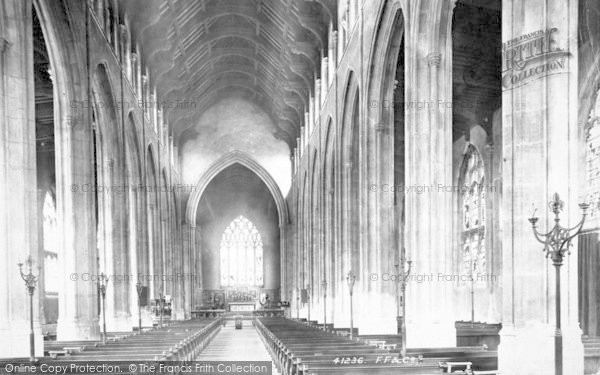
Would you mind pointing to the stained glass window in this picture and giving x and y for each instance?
(241, 254)
(472, 200)
(593, 158)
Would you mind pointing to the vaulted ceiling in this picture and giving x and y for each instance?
(200, 51)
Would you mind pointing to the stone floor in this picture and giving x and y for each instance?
(236, 345)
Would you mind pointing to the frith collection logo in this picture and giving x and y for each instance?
(531, 56)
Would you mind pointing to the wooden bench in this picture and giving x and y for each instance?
(301, 348)
(178, 342)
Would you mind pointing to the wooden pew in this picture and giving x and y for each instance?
(181, 341)
(300, 348)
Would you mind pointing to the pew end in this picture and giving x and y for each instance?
(449, 365)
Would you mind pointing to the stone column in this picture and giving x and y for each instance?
(318, 101)
(428, 230)
(99, 12)
(18, 192)
(125, 50)
(178, 274)
(324, 79)
(332, 55)
(197, 256)
(188, 269)
(143, 95)
(78, 308)
(541, 145)
(151, 220)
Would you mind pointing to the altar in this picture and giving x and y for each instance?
(242, 306)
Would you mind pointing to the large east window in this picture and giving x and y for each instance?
(241, 252)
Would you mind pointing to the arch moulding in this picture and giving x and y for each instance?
(236, 157)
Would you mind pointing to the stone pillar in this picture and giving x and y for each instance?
(188, 269)
(144, 96)
(125, 50)
(115, 27)
(324, 79)
(541, 145)
(178, 273)
(18, 192)
(332, 55)
(154, 115)
(307, 126)
(311, 115)
(99, 11)
(196, 251)
(136, 74)
(317, 99)
(160, 126)
(118, 314)
(381, 289)
(428, 231)
(151, 250)
(107, 13)
(283, 259)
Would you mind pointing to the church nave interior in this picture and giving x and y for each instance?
(311, 186)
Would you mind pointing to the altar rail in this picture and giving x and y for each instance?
(218, 313)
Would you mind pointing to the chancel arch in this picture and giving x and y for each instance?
(240, 241)
(225, 161)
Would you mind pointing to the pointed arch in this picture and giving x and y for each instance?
(236, 157)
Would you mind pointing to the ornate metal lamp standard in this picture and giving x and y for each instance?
(402, 279)
(556, 244)
(30, 283)
(324, 288)
(140, 289)
(102, 281)
(351, 279)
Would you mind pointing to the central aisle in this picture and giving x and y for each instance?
(236, 345)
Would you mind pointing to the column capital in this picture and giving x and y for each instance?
(434, 58)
